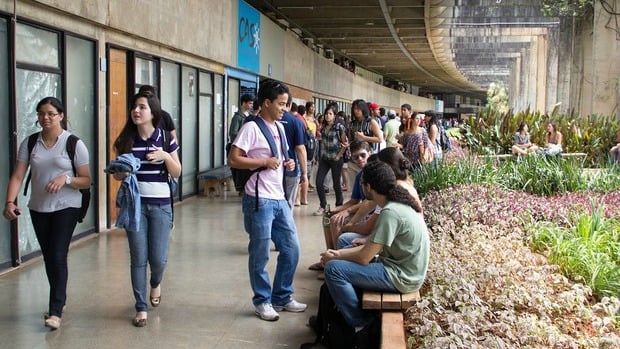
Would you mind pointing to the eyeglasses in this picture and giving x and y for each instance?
(49, 114)
(360, 156)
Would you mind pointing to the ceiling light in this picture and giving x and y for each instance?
(295, 7)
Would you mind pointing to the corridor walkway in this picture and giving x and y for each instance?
(206, 296)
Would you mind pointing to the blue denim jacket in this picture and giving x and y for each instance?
(128, 196)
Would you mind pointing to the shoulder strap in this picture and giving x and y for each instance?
(32, 141)
(71, 145)
(166, 141)
(272, 143)
(274, 150)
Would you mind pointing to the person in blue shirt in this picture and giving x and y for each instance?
(296, 138)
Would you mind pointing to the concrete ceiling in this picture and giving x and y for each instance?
(440, 46)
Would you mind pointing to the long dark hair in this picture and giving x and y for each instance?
(382, 179)
(397, 161)
(124, 142)
(360, 103)
(57, 104)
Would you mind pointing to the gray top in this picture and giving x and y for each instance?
(47, 164)
(519, 139)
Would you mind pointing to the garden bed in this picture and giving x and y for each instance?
(486, 288)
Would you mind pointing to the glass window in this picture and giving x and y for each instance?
(37, 46)
(218, 124)
(81, 113)
(146, 73)
(169, 94)
(190, 127)
(32, 86)
(5, 226)
(205, 122)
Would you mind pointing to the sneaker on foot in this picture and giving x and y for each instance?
(266, 312)
(292, 306)
(318, 212)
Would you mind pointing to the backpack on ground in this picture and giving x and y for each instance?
(332, 330)
(70, 146)
(243, 174)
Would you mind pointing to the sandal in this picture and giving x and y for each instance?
(316, 266)
(53, 322)
(139, 321)
(155, 300)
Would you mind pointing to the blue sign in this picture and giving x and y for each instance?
(248, 42)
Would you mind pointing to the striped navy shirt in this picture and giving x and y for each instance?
(152, 177)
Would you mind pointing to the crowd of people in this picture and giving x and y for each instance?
(377, 239)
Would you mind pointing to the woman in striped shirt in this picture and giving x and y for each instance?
(141, 137)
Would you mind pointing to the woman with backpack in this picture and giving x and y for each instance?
(55, 200)
(149, 243)
(333, 145)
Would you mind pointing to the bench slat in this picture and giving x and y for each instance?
(409, 299)
(371, 300)
(392, 330)
(390, 301)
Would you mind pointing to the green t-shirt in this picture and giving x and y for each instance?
(403, 234)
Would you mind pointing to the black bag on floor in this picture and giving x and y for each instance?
(333, 332)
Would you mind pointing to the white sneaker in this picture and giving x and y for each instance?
(266, 312)
(318, 212)
(292, 306)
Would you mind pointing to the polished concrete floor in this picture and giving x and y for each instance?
(206, 296)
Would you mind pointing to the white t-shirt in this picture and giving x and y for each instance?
(47, 164)
(251, 140)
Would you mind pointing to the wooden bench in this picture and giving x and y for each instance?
(391, 306)
(214, 179)
(499, 157)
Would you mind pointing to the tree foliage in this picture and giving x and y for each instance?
(567, 8)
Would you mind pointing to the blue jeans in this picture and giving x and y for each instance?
(149, 244)
(54, 231)
(272, 221)
(344, 277)
(345, 240)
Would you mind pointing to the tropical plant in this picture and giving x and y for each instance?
(588, 251)
(491, 132)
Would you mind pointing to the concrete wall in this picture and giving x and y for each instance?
(605, 60)
(588, 67)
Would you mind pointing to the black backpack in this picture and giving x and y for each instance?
(173, 183)
(311, 145)
(332, 330)
(243, 174)
(444, 140)
(71, 144)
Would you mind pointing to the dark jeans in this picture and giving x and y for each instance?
(324, 167)
(54, 231)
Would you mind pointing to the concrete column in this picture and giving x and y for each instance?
(551, 91)
(605, 66)
(541, 73)
(532, 74)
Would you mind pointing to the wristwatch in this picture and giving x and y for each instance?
(67, 180)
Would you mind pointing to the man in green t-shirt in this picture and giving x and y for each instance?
(400, 239)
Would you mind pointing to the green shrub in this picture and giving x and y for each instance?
(587, 252)
(533, 174)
